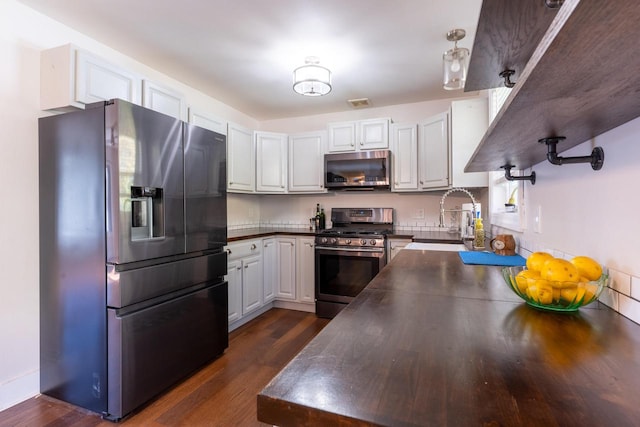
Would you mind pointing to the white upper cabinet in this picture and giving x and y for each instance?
(342, 136)
(271, 162)
(404, 146)
(163, 100)
(306, 162)
(372, 134)
(207, 121)
(433, 152)
(71, 78)
(469, 122)
(241, 166)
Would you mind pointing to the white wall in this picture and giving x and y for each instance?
(593, 213)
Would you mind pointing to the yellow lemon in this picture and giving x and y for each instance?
(587, 267)
(536, 260)
(524, 277)
(544, 295)
(572, 295)
(589, 292)
(561, 272)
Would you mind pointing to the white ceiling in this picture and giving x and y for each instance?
(243, 52)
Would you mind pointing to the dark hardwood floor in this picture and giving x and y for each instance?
(222, 393)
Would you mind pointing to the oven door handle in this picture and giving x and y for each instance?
(343, 249)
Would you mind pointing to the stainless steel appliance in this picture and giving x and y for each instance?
(132, 225)
(349, 255)
(360, 170)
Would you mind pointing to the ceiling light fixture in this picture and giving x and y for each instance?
(455, 62)
(312, 79)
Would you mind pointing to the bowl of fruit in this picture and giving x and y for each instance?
(557, 284)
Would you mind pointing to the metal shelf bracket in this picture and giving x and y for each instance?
(509, 177)
(506, 75)
(596, 158)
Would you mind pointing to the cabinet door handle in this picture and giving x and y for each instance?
(282, 186)
(253, 246)
(238, 268)
(229, 251)
(246, 266)
(352, 144)
(230, 182)
(361, 143)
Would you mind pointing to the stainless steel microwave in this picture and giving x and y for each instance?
(359, 170)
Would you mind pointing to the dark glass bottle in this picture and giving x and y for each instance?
(323, 219)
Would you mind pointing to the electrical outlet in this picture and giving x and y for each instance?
(537, 220)
(419, 214)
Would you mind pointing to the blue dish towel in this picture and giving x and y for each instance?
(489, 258)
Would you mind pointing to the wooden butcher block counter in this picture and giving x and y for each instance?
(434, 342)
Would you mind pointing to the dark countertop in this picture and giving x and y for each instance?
(260, 232)
(427, 236)
(417, 236)
(432, 341)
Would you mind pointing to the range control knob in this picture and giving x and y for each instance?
(373, 242)
(323, 240)
(334, 241)
(363, 242)
(348, 241)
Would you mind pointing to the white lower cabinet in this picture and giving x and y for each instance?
(305, 269)
(270, 272)
(275, 271)
(286, 267)
(395, 246)
(251, 284)
(234, 279)
(245, 279)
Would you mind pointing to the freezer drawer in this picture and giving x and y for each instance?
(141, 284)
(151, 349)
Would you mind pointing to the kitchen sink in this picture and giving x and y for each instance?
(451, 247)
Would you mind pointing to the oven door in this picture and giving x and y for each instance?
(341, 273)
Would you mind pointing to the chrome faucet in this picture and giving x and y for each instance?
(444, 196)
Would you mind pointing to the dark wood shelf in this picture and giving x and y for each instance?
(581, 81)
(507, 35)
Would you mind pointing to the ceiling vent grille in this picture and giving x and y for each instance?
(359, 103)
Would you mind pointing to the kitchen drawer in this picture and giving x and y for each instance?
(244, 249)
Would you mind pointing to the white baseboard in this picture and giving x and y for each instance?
(19, 389)
(292, 305)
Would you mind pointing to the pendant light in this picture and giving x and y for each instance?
(312, 79)
(455, 62)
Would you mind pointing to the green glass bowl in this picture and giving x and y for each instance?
(550, 295)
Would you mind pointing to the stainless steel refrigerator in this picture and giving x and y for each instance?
(132, 227)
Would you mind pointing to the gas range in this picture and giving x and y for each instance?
(349, 255)
(357, 227)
